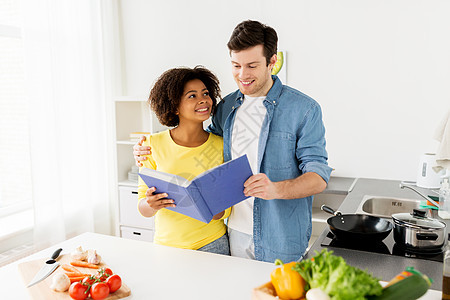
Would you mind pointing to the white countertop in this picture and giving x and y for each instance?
(158, 272)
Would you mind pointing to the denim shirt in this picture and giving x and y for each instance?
(291, 143)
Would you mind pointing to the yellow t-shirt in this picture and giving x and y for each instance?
(172, 228)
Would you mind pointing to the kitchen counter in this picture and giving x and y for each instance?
(157, 272)
(380, 265)
(340, 185)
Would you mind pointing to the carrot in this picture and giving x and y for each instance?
(75, 274)
(79, 263)
(75, 279)
(70, 268)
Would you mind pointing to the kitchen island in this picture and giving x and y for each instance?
(383, 266)
(156, 272)
(159, 272)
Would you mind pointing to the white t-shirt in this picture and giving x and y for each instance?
(244, 140)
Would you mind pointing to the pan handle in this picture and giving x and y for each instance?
(424, 236)
(330, 210)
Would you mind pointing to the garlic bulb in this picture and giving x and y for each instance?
(60, 283)
(93, 257)
(79, 254)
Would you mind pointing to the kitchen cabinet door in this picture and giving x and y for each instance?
(139, 234)
(128, 211)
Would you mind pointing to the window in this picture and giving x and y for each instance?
(15, 167)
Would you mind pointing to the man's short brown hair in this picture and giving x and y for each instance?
(250, 33)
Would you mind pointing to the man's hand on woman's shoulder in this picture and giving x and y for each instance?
(139, 151)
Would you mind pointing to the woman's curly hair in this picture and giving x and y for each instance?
(165, 96)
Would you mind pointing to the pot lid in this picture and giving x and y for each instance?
(418, 218)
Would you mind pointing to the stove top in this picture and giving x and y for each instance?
(387, 246)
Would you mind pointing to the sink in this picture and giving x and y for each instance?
(386, 206)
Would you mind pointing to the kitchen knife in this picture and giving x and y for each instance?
(47, 269)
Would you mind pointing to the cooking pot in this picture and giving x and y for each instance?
(414, 231)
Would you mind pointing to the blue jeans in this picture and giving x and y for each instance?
(219, 246)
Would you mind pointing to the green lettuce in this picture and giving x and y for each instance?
(335, 277)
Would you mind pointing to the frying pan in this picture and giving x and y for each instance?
(352, 227)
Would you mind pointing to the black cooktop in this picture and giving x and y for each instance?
(387, 246)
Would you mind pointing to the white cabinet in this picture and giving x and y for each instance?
(137, 234)
(132, 114)
(132, 224)
(129, 215)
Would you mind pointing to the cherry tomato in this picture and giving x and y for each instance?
(104, 273)
(78, 291)
(114, 282)
(99, 290)
(107, 271)
(88, 280)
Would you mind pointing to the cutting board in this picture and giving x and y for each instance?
(42, 289)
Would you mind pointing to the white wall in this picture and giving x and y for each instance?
(379, 69)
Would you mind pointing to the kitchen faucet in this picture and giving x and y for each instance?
(402, 185)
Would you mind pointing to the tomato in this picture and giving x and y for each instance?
(114, 282)
(78, 291)
(88, 280)
(104, 273)
(99, 290)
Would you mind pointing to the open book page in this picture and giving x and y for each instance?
(220, 167)
(188, 200)
(223, 186)
(174, 179)
(201, 211)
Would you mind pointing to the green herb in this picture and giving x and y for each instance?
(335, 277)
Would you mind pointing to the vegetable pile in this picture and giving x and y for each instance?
(335, 277)
(82, 285)
(97, 286)
(326, 276)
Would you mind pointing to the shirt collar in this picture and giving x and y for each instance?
(274, 92)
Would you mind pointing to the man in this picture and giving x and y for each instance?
(281, 131)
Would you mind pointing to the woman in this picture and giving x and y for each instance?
(183, 98)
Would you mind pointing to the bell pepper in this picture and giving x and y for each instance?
(288, 283)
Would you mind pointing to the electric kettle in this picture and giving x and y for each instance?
(427, 177)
